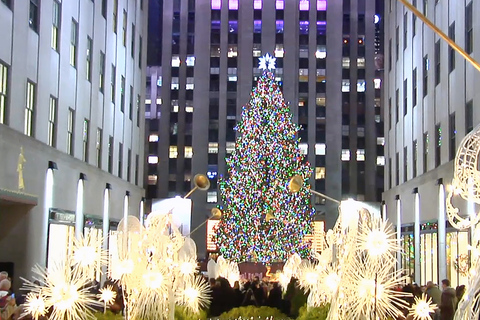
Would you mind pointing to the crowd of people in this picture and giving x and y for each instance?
(446, 299)
(254, 292)
(258, 293)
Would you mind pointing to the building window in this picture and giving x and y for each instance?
(405, 32)
(152, 159)
(211, 196)
(73, 44)
(414, 25)
(132, 43)
(188, 152)
(130, 110)
(137, 164)
(390, 115)
(122, 94)
(56, 18)
(437, 62)
(390, 55)
(115, 15)
(7, 3)
(3, 92)
(397, 169)
(30, 109)
(112, 83)
(102, 71)
(319, 173)
(120, 159)
(138, 110)
(110, 154)
(33, 15)
(99, 147)
(438, 145)
(52, 122)
(414, 158)
(152, 179)
(104, 8)
(173, 152)
(397, 105)
(89, 58)
(414, 87)
(397, 43)
(124, 28)
(469, 28)
(451, 51)
(140, 50)
(405, 97)
(129, 164)
(426, 66)
(425, 152)
(70, 130)
(453, 134)
(468, 116)
(85, 136)
(405, 164)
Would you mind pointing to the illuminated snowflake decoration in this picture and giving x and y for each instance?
(267, 62)
(422, 308)
(88, 254)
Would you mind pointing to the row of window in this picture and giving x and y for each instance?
(452, 148)
(451, 34)
(52, 125)
(303, 5)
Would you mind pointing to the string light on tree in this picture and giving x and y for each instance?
(262, 221)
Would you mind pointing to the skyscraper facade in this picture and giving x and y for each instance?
(325, 62)
(71, 123)
(429, 98)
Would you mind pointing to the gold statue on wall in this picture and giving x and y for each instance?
(21, 162)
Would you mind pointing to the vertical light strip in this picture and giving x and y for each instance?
(125, 207)
(416, 235)
(141, 212)
(79, 210)
(384, 210)
(399, 231)
(442, 249)
(106, 217)
(48, 203)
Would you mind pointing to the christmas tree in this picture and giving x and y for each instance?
(262, 220)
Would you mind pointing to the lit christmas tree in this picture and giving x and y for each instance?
(262, 220)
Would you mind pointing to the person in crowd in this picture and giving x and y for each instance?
(448, 303)
(258, 291)
(274, 299)
(460, 291)
(8, 306)
(434, 293)
(238, 295)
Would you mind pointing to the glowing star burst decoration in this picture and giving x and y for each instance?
(195, 295)
(34, 305)
(378, 239)
(107, 295)
(63, 290)
(267, 62)
(88, 254)
(422, 308)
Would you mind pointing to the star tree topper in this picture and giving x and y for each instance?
(267, 62)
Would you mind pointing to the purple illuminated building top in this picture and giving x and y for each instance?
(257, 4)
(233, 4)
(216, 4)
(279, 5)
(322, 5)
